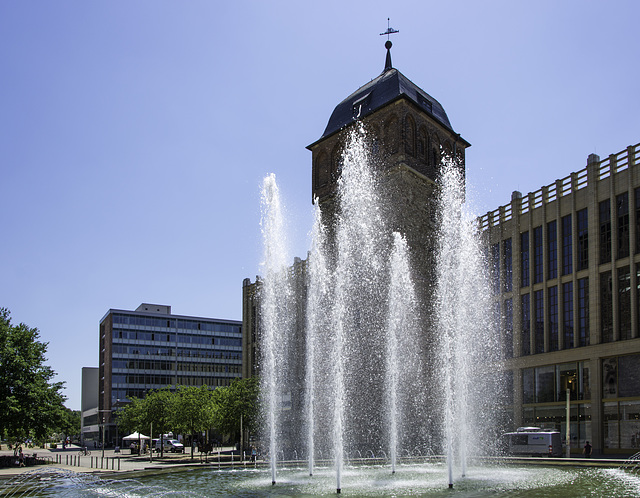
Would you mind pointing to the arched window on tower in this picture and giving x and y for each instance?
(422, 145)
(410, 136)
(448, 149)
(391, 130)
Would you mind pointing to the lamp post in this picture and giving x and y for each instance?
(568, 430)
(104, 423)
(103, 426)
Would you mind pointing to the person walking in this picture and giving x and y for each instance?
(587, 450)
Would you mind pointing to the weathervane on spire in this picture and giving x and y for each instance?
(388, 44)
(389, 30)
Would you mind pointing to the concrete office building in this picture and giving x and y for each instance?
(566, 262)
(89, 425)
(151, 348)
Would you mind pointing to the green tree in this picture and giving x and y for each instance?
(192, 410)
(157, 411)
(70, 424)
(236, 406)
(130, 418)
(31, 405)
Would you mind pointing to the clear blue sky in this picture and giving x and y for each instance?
(134, 136)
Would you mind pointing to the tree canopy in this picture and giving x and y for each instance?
(190, 410)
(30, 403)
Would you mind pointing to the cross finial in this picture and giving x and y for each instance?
(388, 44)
(389, 30)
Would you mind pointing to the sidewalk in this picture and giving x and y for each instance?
(71, 459)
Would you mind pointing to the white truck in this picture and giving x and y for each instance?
(533, 441)
(172, 445)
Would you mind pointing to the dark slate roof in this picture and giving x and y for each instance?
(387, 87)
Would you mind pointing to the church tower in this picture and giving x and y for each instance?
(408, 128)
(408, 133)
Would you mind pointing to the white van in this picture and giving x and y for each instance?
(533, 441)
(172, 445)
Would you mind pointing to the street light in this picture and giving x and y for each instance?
(104, 423)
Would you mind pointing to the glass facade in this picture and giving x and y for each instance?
(567, 310)
(552, 250)
(537, 255)
(553, 318)
(583, 239)
(583, 312)
(567, 245)
(495, 262)
(508, 265)
(524, 259)
(151, 352)
(620, 385)
(605, 232)
(508, 328)
(525, 326)
(576, 289)
(606, 307)
(538, 313)
(544, 399)
(624, 303)
(622, 238)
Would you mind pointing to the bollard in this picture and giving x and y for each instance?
(113, 463)
(118, 463)
(91, 462)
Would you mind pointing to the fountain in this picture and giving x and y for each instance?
(365, 375)
(360, 382)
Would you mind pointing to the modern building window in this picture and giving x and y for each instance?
(524, 259)
(545, 384)
(508, 265)
(538, 303)
(605, 232)
(553, 318)
(622, 239)
(508, 328)
(552, 249)
(537, 255)
(567, 245)
(621, 379)
(495, 264)
(583, 312)
(624, 303)
(526, 326)
(567, 313)
(606, 306)
(583, 239)
(528, 386)
(567, 380)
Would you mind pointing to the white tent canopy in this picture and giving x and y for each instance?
(136, 436)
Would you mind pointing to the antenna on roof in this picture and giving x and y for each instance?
(389, 30)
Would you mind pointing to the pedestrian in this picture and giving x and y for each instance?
(21, 458)
(587, 450)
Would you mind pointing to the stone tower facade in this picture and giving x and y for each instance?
(408, 133)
